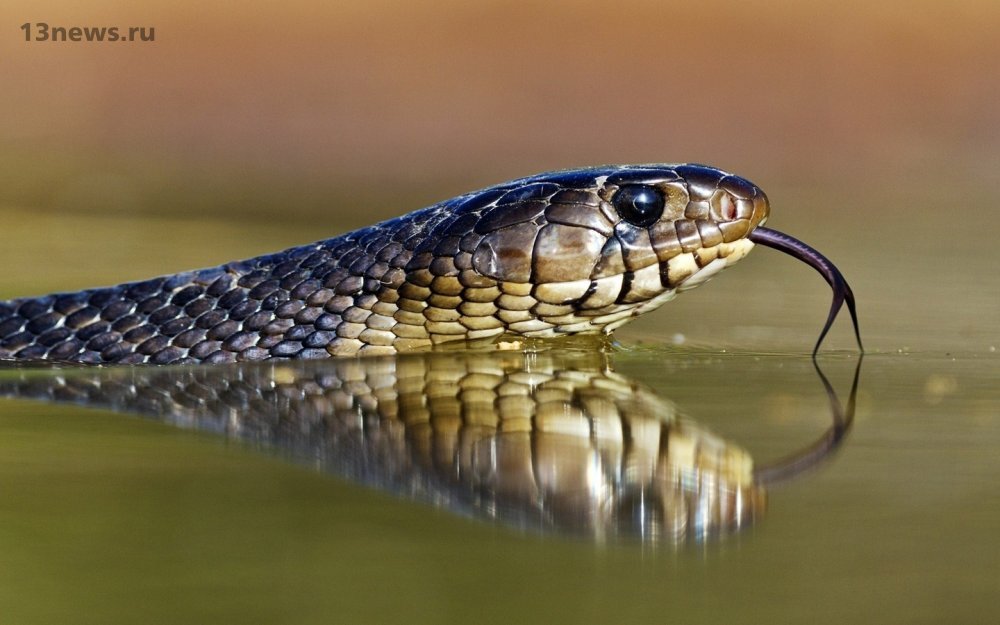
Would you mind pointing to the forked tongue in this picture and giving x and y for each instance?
(841, 290)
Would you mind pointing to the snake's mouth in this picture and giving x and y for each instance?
(708, 218)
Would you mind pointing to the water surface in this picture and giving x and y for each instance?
(109, 518)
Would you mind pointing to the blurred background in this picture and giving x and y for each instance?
(247, 127)
(874, 128)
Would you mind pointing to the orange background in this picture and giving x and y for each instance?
(873, 127)
(411, 93)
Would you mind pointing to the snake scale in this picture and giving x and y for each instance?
(571, 252)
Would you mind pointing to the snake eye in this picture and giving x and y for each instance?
(638, 204)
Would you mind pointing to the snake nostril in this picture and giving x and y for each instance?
(727, 207)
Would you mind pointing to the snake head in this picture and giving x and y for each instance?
(595, 247)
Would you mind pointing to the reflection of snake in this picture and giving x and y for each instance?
(552, 440)
(571, 252)
(555, 442)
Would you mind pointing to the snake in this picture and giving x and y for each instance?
(572, 252)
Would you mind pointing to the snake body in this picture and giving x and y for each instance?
(571, 252)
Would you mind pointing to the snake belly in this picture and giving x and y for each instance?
(570, 252)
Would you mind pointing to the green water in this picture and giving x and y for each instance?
(106, 518)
